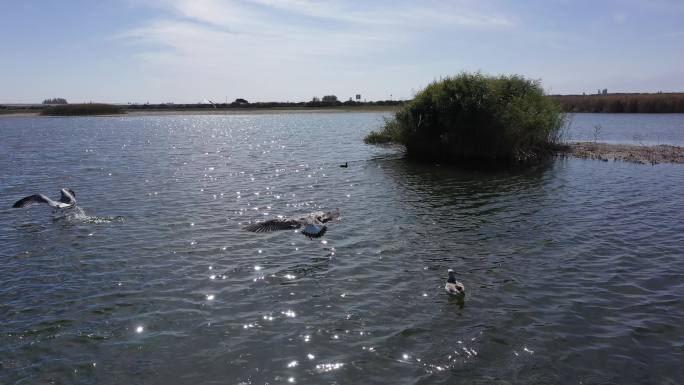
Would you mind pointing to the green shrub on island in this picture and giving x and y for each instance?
(82, 109)
(473, 117)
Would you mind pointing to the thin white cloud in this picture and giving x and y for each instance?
(674, 34)
(363, 24)
(260, 30)
(619, 17)
(293, 43)
(454, 14)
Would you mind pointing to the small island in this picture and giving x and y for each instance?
(473, 118)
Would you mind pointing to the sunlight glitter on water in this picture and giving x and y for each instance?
(323, 368)
(494, 227)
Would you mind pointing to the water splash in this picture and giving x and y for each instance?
(78, 215)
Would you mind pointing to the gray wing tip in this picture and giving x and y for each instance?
(255, 228)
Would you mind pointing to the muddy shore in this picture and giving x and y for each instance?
(628, 153)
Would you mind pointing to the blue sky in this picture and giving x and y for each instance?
(291, 50)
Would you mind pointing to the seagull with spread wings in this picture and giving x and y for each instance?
(314, 223)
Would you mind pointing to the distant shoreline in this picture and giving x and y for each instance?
(645, 103)
(25, 112)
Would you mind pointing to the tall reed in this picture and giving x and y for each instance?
(617, 103)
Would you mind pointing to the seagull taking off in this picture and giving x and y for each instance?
(66, 200)
(313, 224)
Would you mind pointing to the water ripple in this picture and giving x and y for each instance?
(573, 269)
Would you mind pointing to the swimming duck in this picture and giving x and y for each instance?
(345, 165)
(453, 287)
(66, 200)
(313, 223)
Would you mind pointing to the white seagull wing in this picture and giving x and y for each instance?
(68, 196)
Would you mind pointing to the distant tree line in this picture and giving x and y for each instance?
(315, 102)
(55, 101)
(82, 109)
(622, 103)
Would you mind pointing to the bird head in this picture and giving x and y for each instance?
(329, 216)
(452, 276)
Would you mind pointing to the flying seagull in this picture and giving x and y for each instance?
(313, 224)
(66, 200)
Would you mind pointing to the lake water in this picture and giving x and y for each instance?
(574, 271)
(640, 129)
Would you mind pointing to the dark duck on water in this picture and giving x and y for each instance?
(453, 287)
(313, 224)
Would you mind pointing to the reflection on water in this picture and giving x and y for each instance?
(573, 269)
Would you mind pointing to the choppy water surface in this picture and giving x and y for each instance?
(574, 271)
